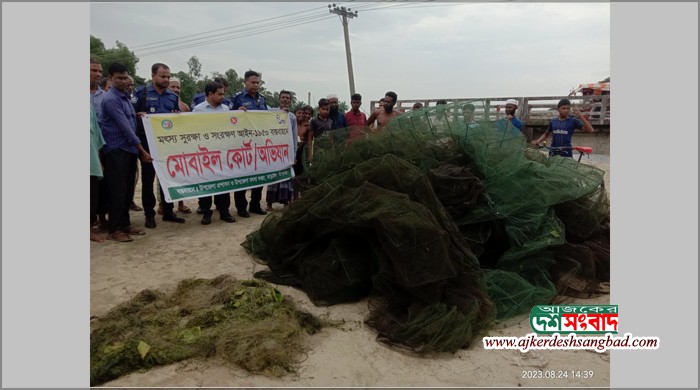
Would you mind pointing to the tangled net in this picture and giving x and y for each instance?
(445, 224)
(248, 323)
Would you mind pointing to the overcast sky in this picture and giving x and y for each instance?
(419, 50)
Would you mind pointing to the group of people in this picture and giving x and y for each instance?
(561, 128)
(118, 140)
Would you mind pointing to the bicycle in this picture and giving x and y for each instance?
(580, 149)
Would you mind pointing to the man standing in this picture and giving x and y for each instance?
(335, 114)
(338, 118)
(468, 114)
(200, 97)
(154, 98)
(122, 146)
(356, 119)
(283, 192)
(175, 86)
(130, 87)
(386, 112)
(96, 92)
(213, 103)
(96, 143)
(249, 99)
(132, 99)
(510, 123)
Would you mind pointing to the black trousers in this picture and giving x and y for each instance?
(94, 196)
(119, 171)
(222, 202)
(148, 177)
(242, 203)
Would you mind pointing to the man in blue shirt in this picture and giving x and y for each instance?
(154, 98)
(510, 122)
(563, 128)
(339, 121)
(122, 146)
(95, 90)
(249, 99)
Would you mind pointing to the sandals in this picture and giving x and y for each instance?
(135, 207)
(135, 231)
(119, 237)
(182, 207)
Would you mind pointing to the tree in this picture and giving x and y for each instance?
(188, 86)
(235, 82)
(195, 68)
(120, 54)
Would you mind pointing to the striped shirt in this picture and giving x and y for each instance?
(118, 122)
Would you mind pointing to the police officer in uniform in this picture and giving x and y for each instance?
(249, 99)
(154, 98)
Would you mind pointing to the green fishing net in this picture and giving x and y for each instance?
(445, 222)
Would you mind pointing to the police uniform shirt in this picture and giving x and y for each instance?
(244, 99)
(151, 102)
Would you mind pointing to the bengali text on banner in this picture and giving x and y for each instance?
(201, 154)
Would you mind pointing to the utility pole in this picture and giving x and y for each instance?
(346, 13)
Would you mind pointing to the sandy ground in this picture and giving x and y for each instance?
(345, 357)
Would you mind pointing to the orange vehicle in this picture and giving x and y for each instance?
(596, 91)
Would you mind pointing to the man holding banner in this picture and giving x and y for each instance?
(213, 103)
(155, 98)
(249, 99)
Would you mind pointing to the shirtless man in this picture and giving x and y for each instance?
(385, 113)
(302, 123)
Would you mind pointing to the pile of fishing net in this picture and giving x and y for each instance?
(248, 323)
(445, 225)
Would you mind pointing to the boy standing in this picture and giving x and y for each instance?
(562, 129)
(319, 124)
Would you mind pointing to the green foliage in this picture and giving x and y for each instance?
(120, 53)
(195, 67)
(235, 82)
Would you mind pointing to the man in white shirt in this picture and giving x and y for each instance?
(215, 96)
